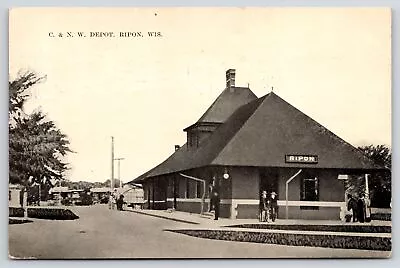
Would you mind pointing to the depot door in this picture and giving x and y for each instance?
(269, 180)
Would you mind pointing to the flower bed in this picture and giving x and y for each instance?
(381, 217)
(324, 228)
(51, 214)
(44, 213)
(18, 221)
(326, 241)
(15, 212)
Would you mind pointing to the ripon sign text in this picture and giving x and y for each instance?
(306, 159)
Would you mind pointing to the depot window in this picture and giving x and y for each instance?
(170, 187)
(187, 188)
(199, 189)
(193, 139)
(309, 191)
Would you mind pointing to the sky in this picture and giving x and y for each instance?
(333, 64)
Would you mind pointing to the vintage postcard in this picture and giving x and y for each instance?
(158, 133)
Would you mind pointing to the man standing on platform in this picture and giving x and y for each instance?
(215, 200)
(361, 208)
(274, 206)
(352, 206)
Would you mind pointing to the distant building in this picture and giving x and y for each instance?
(100, 190)
(243, 145)
(59, 189)
(64, 195)
(99, 194)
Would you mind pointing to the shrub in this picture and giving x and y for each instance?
(15, 212)
(51, 214)
(104, 200)
(84, 202)
(66, 202)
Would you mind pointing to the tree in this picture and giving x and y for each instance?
(107, 183)
(18, 92)
(380, 182)
(36, 145)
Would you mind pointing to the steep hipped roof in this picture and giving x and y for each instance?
(261, 133)
(277, 129)
(226, 103)
(185, 158)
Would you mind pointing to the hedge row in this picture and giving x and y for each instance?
(324, 228)
(381, 217)
(15, 212)
(44, 213)
(326, 241)
(51, 214)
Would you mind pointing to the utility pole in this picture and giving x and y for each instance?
(119, 170)
(112, 173)
(112, 163)
(40, 192)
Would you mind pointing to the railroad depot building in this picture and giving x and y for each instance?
(243, 145)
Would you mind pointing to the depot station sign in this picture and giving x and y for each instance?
(304, 159)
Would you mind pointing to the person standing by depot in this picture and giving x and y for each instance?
(274, 206)
(211, 194)
(361, 208)
(352, 206)
(120, 202)
(367, 208)
(263, 206)
(114, 199)
(215, 200)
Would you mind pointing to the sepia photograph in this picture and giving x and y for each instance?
(199, 133)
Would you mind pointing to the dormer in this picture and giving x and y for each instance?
(198, 132)
(226, 103)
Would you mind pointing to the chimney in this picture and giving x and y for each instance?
(230, 78)
(177, 147)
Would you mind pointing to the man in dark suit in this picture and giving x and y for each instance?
(352, 206)
(215, 200)
(274, 206)
(361, 208)
(120, 202)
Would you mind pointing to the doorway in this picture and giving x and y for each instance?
(269, 178)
